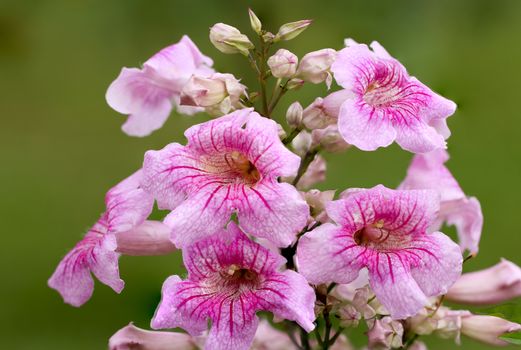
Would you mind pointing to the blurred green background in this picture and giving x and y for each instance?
(62, 148)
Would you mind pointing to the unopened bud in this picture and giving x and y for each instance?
(294, 84)
(294, 115)
(302, 143)
(291, 30)
(385, 334)
(132, 337)
(316, 117)
(255, 22)
(316, 173)
(317, 203)
(149, 238)
(488, 329)
(330, 139)
(314, 66)
(228, 39)
(283, 64)
(268, 37)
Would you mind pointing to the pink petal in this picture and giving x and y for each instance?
(136, 93)
(466, 215)
(326, 254)
(364, 126)
(438, 263)
(272, 210)
(128, 205)
(231, 333)
(132, 337)
(72, 278)
(418, 137)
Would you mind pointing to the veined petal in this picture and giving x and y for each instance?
(272, 210)
(327, 254)
(231, 333)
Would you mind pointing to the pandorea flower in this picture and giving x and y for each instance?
(385, 231)
(147, 95)
(128, 206)
(427, 171)
(230, 165)
(496, 284)
(230, 278)
(385, 104)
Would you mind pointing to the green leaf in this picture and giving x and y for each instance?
(512, 338)
(509, 311)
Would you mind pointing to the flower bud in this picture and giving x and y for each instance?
(294, 84)
(255, 22)
(291, 30)
(228, 39)
(446, 323)
(494, 285)
(294, 115)
(316, 117)
(149, 238)
(132, 337)
(316, 173)
(330, 139)
(314, 66)
(268, 37)
(317, 203)
(385, 334)
(302, 143)
(219, 93)
(283, 64)
(349, 316)
(488, 329)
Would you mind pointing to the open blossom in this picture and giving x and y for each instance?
(147, 95)
(127, 208)
(496, 284)
(230, 278)
(427, 171)
(384, 231)
(230, 165)
(386, 104)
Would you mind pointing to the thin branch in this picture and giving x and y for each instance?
(304, 164)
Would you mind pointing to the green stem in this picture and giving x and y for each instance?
(337, 334)
(319, 337)
(294, 133)
(304, 339)
(304, 164)
(282, 90)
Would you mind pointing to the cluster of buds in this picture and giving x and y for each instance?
(254, 233)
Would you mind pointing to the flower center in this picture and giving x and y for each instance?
(240, 168)
(384, 86)
(238, 276)
(372, 234)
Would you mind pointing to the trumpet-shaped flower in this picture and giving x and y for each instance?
(230, 165)
(147, 95)
(427, 171)
(230, 278)
(384, 231)
(128, 206)
(386, 104)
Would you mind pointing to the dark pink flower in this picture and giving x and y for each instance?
(384, 104)
(230, 278)
(384, 231)
(230, 165)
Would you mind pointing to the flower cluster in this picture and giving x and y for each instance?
(253, 232)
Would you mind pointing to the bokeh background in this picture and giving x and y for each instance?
(61, 146)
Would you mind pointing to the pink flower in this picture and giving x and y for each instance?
(427, 171)
(131, 337)
(387, 104)
(230, 278)
(496, 284)
(230, 165)
(146, 95)
(488, 329)
(127, 207)
(385, 231)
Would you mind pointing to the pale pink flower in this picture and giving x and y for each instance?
(230, 165)
(147, 95)
(128, 206)
(283, 64)
(427, 171)
(131, 337)
(385, 231)
(315, 173)
(496, 284)
(385, 334)
(230, 278)
(314, 66)
(488, 329)
(387, 104)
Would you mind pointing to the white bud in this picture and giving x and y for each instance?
(283, 64)
(314, 66)
(330, 139)
(255, 22)
(294, 115)
(228, 39)
(289, 31)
